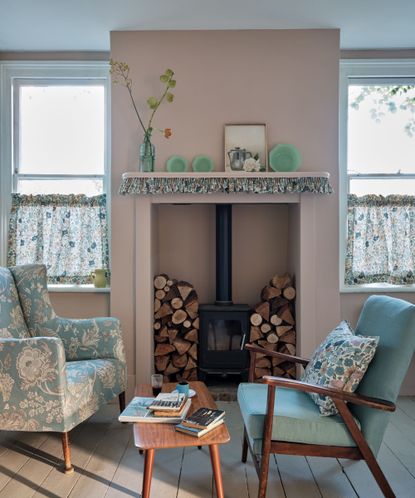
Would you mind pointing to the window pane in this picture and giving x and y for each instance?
(61, 129)
(382, 187)
(381, 129)
(87, 187)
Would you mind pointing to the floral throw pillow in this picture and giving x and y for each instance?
(340, 361)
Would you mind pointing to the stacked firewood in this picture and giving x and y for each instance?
(273, 327)
(176, 328)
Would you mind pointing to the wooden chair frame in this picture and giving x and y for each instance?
(340, 398)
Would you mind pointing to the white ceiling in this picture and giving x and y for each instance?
(85, 24)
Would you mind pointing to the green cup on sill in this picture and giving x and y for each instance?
(99, 277)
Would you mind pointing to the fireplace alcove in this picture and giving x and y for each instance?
(154, 215)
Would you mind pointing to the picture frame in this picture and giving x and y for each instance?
(244, 141)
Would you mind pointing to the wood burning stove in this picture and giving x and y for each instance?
(224, 326)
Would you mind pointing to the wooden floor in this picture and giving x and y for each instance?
(108, 465)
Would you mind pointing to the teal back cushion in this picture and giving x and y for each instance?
(393, 320)
(12, 323)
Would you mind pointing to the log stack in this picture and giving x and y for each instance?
(176, 329)
(273, 327)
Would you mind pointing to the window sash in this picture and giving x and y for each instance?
(17, 84)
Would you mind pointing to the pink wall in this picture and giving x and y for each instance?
(285, 78)
(80, 304)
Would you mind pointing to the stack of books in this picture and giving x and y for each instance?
(166, 408)
(201, 422)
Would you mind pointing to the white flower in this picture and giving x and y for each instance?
(252, 165)
(30, 363)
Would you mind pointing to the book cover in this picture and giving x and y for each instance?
(138, 411)
(192, 431)
(203, 418)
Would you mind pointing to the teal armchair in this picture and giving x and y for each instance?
(54, 372)
(280, 417)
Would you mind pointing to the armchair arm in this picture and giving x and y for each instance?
(358, 399)
(91, 338)
(253, 350)
(32, 383)
(276, 354)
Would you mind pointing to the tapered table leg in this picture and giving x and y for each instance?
(148, 473)
(215, 459)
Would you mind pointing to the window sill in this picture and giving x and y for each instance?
(370, 288)
(78, 288)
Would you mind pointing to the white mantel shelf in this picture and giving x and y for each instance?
(160, 183)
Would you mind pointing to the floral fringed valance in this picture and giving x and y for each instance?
(381, 240)
(213, 185)
(67, 233)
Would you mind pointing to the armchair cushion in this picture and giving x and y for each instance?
(91, 384)
(12, 322)
(296, 418)
(340, 361)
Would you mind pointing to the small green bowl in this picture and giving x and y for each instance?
(176, 164)
(285, 158)
(202, 164)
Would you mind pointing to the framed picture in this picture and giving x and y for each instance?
(246, 147)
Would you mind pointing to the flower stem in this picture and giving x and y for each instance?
(136, 110)
(160, 101)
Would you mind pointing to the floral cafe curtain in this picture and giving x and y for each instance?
(381, 239)
(67, 233)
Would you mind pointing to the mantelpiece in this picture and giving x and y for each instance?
(158, 183)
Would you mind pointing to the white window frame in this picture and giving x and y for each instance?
(11, 72)
(364, 71)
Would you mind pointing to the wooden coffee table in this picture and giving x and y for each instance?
(151, 437)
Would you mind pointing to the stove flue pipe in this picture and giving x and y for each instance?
(223, 254)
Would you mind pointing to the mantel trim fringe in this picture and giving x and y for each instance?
(216, 185)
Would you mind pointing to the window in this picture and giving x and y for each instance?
(53, 167)
(377, 159)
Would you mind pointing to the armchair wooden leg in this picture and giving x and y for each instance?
(266, 443)
(365, 449)
(244, 447)
(67, 453)
(121, 399)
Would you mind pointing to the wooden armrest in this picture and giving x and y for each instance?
(358, 399)
(276, 354)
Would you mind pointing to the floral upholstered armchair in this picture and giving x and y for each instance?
(54, 372)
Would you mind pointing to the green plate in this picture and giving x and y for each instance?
(202, 164)
(284, 157)
(176, 164)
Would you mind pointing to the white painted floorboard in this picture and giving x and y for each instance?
(108, 465)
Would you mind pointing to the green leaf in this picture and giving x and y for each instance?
(152, 102)
(164, 78)
(169, 73)
(169, 97)
(172, 83)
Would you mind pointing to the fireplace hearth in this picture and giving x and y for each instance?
(224, 326)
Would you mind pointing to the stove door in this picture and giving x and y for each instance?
(222, 338)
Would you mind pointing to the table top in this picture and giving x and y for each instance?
(157, 436)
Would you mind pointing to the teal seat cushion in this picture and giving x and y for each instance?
(297, 418)
(12, 323)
